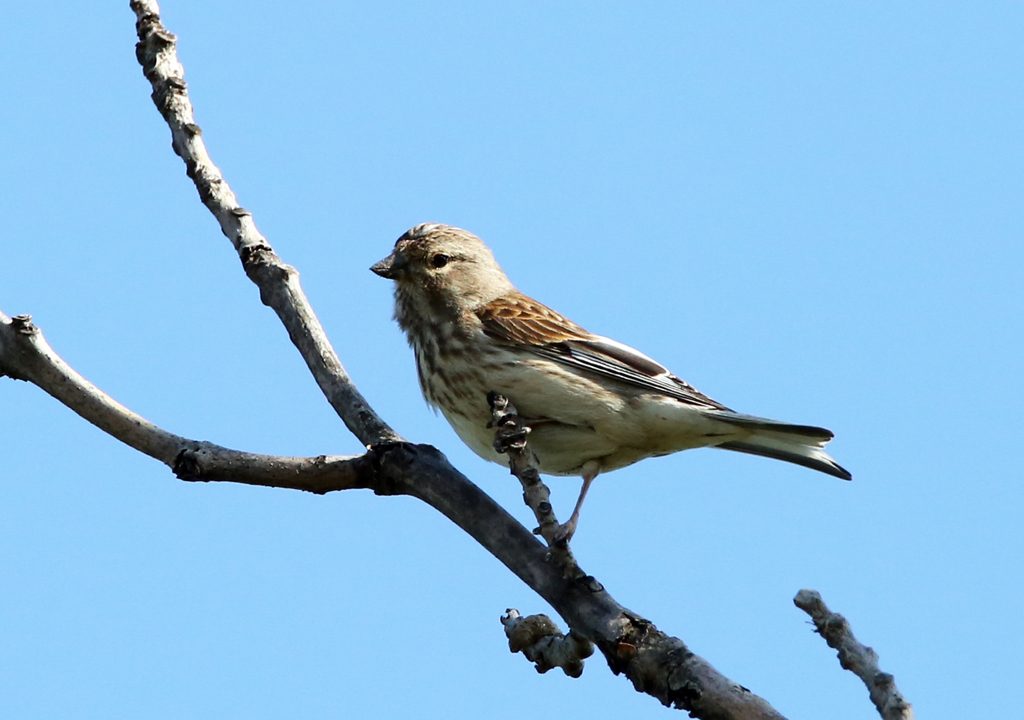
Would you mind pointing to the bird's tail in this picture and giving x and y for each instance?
(800, 444)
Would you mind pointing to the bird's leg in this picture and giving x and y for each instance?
(567, 529)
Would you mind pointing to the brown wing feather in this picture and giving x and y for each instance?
(517, 319)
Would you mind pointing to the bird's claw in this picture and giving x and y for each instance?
(510, 437)
(564, 532)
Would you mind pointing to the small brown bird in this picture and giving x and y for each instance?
(593, 404)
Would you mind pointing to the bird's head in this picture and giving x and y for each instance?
(440, 268)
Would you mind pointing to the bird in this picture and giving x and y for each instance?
(593, 404)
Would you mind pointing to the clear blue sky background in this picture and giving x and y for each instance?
(812, 211)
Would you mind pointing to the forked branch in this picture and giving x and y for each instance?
(657, 664)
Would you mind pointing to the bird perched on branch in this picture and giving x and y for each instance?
(593, 404)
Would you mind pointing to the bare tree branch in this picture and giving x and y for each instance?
(859, 659)
(657, 664)
(25, 355)
(278, 282)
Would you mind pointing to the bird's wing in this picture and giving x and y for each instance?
(519, 320)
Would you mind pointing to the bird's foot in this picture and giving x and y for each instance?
(511, 430)
(510, 437)
(565, 531)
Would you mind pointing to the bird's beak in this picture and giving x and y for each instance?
(389, 267)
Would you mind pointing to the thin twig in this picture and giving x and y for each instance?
(859, 659)
(25, 355)
(510, 438)
(278, 282)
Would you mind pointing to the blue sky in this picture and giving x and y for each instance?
(811, 211)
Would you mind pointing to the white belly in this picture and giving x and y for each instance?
(574, 420)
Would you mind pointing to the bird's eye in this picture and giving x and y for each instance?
(439, 260)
